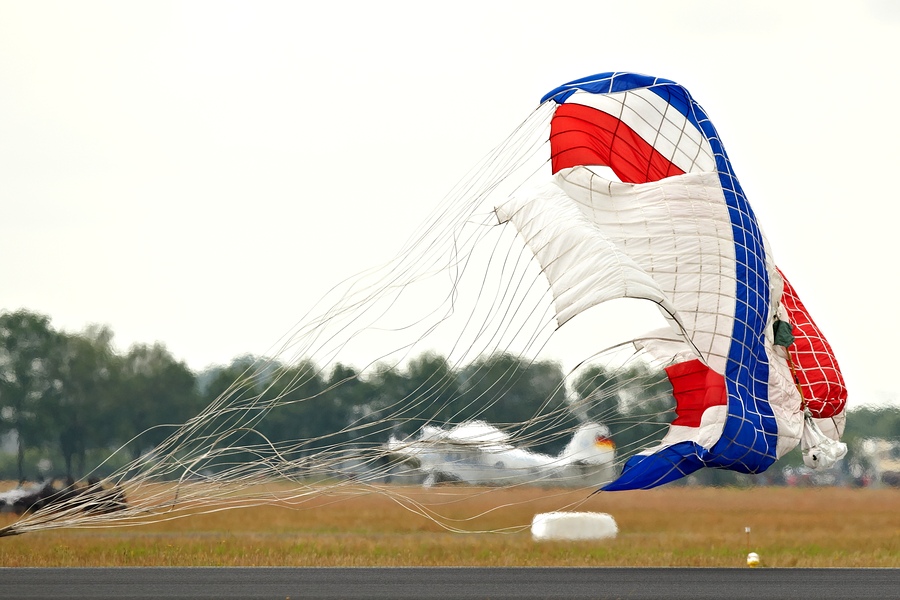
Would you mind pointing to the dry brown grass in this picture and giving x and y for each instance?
(674, 526)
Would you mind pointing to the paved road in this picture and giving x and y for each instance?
(442, 583)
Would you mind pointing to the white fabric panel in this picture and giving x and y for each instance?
(678, 231)
(712, 422)
(664, 345)
(661, 126)
(583, 267)
(784, 400)
(833, 427)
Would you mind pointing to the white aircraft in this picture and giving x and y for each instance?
(478, 453)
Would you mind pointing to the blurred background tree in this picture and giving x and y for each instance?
(69, 401)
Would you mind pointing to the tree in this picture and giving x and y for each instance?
(155, 394)
(350, 399)
(872, 422)
(527, 398)
(301, 410)
(433, 389)
(635, 402)
(85, 368)
(425, 392)
(596, 395)
(26, 377)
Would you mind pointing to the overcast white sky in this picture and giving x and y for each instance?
(199, 173)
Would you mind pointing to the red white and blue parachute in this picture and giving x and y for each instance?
(750, 373)
(677, 230)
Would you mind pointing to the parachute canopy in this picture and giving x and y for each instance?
(677, 230)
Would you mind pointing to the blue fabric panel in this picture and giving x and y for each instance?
(669, 464)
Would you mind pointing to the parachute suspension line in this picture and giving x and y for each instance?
(211, 463)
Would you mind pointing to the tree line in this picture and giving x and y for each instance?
(65, 394)
(65, 397)
(69, 399)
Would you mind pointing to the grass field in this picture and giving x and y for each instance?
(674, 526)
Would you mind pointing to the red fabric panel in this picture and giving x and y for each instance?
(817, 370)
(580, 135)
(696, 387)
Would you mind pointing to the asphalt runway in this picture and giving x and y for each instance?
(462, 582)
